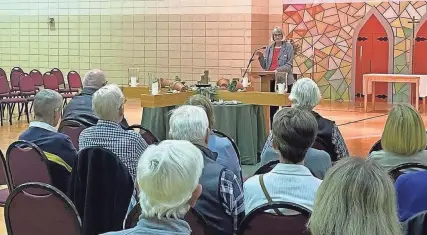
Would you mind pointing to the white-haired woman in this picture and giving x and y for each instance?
(168, 179)
(306, 95)
(356, 197)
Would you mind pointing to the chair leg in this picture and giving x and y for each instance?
(27, 112)
(1, 114)
(10, 106)
(20, 111)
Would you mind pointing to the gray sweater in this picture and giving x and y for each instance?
(154, 226)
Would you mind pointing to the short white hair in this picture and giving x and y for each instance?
(305, 94)
(46, 102)
(94, 78)
(107, 101)
(188, 122)
(167, 175)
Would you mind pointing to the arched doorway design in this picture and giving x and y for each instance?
(372, 56)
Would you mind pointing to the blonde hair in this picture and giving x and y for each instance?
(168, 174)
(404, 132)
(356, 197)
(205, 103)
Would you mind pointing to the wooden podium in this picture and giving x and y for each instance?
(266, 78)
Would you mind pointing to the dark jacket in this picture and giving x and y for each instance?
(58, 149)
(80, 109)
(416, 225)
(210, 203)
(100, 188)
(324, 131)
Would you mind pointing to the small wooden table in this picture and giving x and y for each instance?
(370, 79)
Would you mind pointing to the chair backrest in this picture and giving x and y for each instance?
(145, 133)
(26, 85)
(47, 212)
(4, 174)
(260, 222)
(26, 163)
(59, 76)
(4, 86)
(72, 129)
(74, 80)
(133, 217)
(2, 72)
(416, 225)
(376, 147)
(397, 171)
(197, 223)
(50, 81)
(36, 75)
(235, 147)
(266, 167)
(14, 78)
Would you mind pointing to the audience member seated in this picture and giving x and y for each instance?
(294, 131)
(57, 147)
(318, 161)
(221, 201)
(168, 180)
(356, 197)
(411, 189)
(403, 139)
(306, 95)
(108, 104)
(80, 107)
(227, 156)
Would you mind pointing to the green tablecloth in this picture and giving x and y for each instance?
(244, 123)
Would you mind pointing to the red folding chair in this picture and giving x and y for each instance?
(9, 100)
(50, 82)
(4, 180)
(27, 88)
(60, 78)
(36, 75)
(15, 73)
(74, 81)
(72, 129)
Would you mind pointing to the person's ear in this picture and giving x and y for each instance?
(122, 110)
(195, 195)
(208, 131)
(275, 145)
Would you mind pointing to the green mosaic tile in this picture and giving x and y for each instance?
(308, 63)
(329, 74)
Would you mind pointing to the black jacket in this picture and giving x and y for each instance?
(416, 225)
(80, 109)
(100, 188)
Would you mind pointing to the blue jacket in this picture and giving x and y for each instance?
(154, 226)
(411, 189)
(59, 150)
(285, 63)
(227, 156)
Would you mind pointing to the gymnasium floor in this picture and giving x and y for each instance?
(360, 130)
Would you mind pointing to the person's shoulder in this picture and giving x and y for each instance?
(318, 153)
(417, 178)
(222, 142)
(251, 181)
(377, 154)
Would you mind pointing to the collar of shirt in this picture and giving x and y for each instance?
(291, 169)
(165, 224)
(108, 124)
(42, 125)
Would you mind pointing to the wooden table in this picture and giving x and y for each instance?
(369, 81)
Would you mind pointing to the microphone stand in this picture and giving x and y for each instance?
(250, 61)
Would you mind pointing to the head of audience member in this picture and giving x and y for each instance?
(94, 79)
(168, 179)
(404, 131)
(108, 103)
(356, 197)
(305, 94)
(294, 131)
(205, 103)
(189, 123)
(48, 107)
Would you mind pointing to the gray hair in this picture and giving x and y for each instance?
(305, 94)
(46, 103)
(167, 175)
(107, 102)
(356, 197)
(277, 30)
(294, 131)
(94, 78)
(190, 123)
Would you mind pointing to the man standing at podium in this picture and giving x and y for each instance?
(278, 57)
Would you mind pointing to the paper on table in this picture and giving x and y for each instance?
(133, 82)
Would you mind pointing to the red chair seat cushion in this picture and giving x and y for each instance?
(13, 100)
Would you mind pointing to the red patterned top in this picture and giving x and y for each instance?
(275, 59)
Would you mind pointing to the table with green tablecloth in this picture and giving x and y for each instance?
(242, 122)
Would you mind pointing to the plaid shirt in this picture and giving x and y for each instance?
(338, 142)
(232, 197)
(127, 145)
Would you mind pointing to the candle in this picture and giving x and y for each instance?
(245, 82)
(155, 88)
(133, 82)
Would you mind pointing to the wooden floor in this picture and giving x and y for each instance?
(360, 130)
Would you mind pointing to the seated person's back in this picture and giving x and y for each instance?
(168, 181)
(57, 147)
(107, 133)
(80, 107)
(294, 131)
(221, 201)
(227, 156)
(411, 190)
(403, 139)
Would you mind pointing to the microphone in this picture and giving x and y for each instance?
(252, 59)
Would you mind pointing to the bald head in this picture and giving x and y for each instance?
(94, 78)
